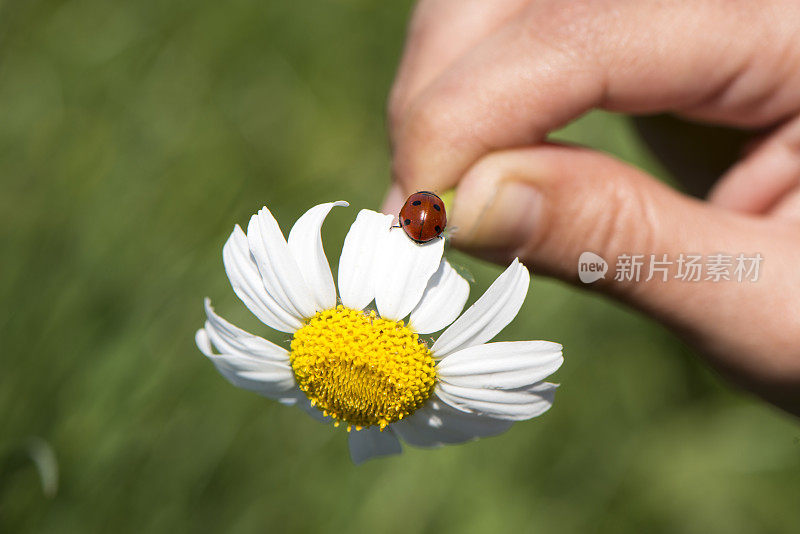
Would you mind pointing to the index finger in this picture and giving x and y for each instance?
(441, 31)
(560, 59)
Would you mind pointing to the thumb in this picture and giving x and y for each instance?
(549, 204)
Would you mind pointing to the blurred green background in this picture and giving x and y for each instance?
(133, 135)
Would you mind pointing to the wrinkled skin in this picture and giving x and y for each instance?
(481, 84)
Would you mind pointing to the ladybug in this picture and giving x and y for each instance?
(422, 217)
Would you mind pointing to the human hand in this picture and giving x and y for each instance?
(481, 84)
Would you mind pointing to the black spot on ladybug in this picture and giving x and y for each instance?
(437, 207)
(438, 229)
(416, 203)
(407, 221)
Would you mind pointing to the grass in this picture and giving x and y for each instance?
(133, 135)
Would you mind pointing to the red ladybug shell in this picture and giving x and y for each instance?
(423, 217)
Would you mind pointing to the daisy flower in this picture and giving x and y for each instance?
(360, 364)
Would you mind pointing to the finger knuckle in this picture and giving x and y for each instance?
(572, 26)
(425, 120)
(627, 221)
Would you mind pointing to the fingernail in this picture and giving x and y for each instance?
(504, 219)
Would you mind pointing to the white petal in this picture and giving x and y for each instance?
(305, 244)
(507, 365)
(512, 404)
(372, 443)
(315, 413)
(490, 313)
(230, 339)
(299, 399)
(437, 424)
(403, 270)
(443, 300)
(247, 361)
(279, 271)
(359, 255)
(248, 286)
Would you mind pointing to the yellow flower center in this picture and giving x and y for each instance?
(361, 369)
